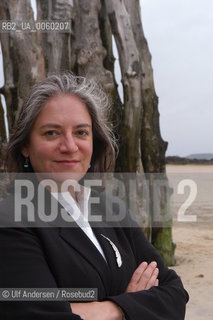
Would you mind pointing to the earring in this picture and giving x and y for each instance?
(89, 166)
(26, 163)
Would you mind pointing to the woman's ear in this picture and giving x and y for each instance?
(24, 152)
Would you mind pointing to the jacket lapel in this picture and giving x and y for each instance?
(78, 240)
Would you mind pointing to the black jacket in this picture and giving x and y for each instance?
(60, 257)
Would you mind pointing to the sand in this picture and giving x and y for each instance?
(194, 246)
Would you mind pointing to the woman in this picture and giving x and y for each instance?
(61, 133)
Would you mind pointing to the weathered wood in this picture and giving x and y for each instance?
(115, 115)
(89, 50)
(2, 133)
(129, 159)
(130, 155)
(56, 45)
(2, 124)
(22, 53)
(153, 147)
(9, 90)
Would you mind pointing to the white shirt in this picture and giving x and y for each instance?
(79, 211)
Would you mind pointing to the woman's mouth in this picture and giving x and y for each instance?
(68, 162)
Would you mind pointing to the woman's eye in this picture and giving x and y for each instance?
(83, 133)
(51, 133)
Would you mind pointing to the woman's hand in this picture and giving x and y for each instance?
(144, 277)
(105, 310)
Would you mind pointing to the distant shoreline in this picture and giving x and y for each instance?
(183, 161)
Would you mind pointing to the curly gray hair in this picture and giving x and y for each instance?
(97, 104)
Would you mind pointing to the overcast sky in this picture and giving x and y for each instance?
(180, 38)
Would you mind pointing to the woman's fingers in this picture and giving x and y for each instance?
(133, 284)
(156, 283)
(138, 272)
(144, 277)
(152, 281)
(147, 276)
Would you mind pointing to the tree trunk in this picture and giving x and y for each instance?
(131, 78)
(2, 123)
(23, 58)
(56, 45)
(153, 147)
(89, 50)
(2, 133)
(129, 159)
(106, 35)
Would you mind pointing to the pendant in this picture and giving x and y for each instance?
(117, 253)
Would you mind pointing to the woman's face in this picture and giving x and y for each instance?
(61, 139)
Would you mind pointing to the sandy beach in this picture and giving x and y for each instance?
(194, 243)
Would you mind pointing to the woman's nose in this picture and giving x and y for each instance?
(68, 144)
